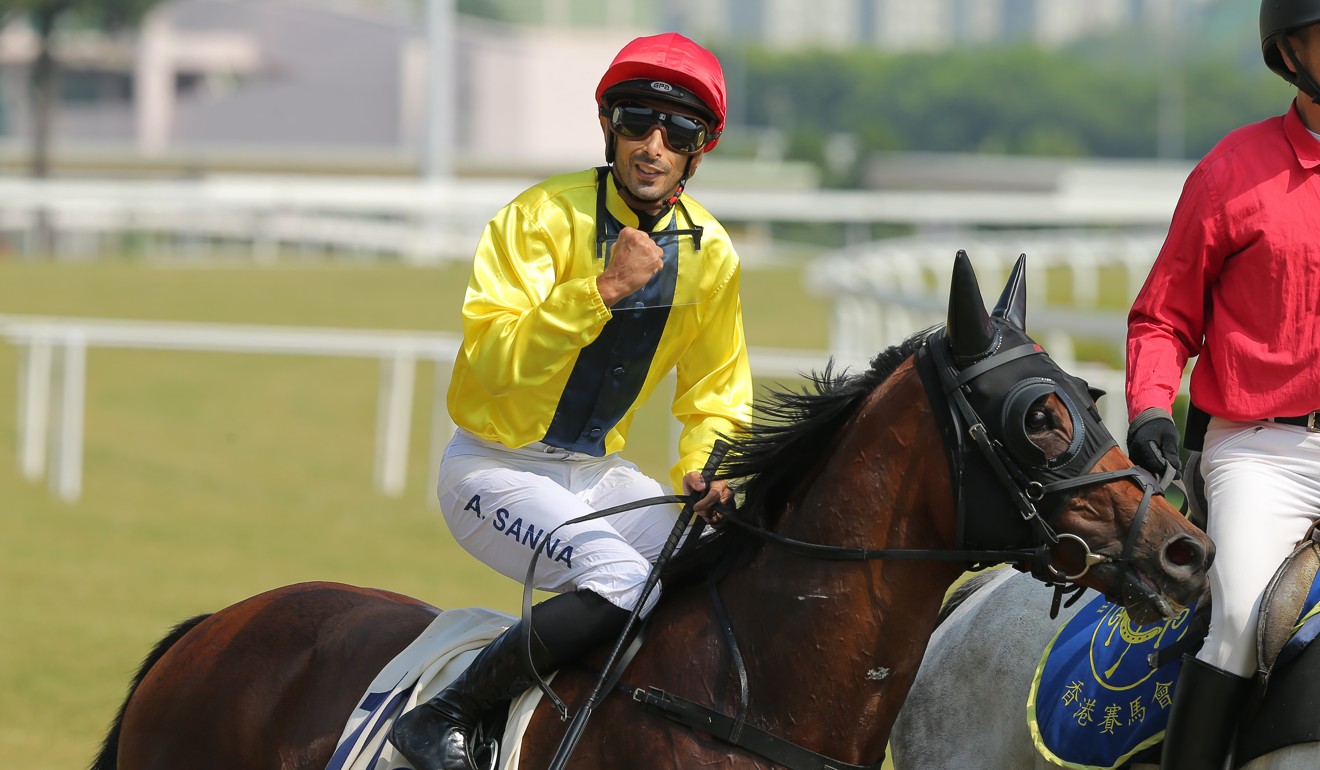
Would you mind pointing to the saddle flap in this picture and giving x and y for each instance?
(1282, 602)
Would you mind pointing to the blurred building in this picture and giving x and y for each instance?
(331, 85)
(345, 84)
(895, 25)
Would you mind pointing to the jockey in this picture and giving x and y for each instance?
(1235, 285)
(586, 292)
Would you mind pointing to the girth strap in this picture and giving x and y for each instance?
(736, 732)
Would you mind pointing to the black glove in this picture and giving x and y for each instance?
(1153, 442)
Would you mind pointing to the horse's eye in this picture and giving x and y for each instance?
(1037, 420)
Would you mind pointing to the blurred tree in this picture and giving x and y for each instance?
(1015, 100)
(484, 9)
(47, 18)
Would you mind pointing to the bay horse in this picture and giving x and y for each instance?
(794, 629)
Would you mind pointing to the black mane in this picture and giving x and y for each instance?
(792, 432)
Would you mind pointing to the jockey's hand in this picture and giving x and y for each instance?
(715, 493)
(1153, 442)
(634, 259)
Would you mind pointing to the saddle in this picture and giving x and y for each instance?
(1285, 699)
(1283, 602)
(440, 653)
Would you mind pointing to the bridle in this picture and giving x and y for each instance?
(1037, 488)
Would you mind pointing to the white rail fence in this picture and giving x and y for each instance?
(260, 217)
(880, 292)
(52, 381)
(251, 217)
(883, 290)
(52, 377)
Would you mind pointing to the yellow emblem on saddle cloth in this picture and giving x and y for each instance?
(1095, 702)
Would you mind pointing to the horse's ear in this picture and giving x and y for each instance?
(1012, 305)
(968, 329)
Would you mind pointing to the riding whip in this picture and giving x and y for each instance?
(579, 723)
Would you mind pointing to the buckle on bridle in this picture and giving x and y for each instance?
(1089, 560)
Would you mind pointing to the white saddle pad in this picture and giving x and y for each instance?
(439, 654)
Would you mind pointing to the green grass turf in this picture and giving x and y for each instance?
(210, 477)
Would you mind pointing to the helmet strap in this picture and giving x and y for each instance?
(1301, 78)
(682, 182)
(627, 195)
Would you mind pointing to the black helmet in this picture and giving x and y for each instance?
(1277, 18)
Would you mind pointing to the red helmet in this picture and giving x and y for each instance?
(671, 68)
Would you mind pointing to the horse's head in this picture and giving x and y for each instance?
(1034, 466)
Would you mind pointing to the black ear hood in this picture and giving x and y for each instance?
(1003, 394)
(971, 335)
(994, 365)
(1012, 305)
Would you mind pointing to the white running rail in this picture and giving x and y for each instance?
(52, 380)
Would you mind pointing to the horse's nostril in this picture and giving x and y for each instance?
(1180, 552)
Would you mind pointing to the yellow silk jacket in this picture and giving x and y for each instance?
(543, 358)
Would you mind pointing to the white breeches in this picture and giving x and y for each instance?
(1263, 484)
(503, 505)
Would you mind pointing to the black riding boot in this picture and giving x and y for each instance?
(1207, 702)
(437, 735)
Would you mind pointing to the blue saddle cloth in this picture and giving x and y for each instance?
(1095, 702)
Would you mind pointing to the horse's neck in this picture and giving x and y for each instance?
(833, 646)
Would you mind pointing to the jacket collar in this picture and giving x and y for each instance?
(1304, 143)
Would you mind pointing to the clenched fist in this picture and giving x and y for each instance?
(633, 260)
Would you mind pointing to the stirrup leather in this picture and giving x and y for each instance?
(484, 753)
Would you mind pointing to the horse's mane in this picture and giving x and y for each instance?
(792, 434)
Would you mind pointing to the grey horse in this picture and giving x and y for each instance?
(967, 708)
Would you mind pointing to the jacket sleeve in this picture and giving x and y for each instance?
(1166, 325)
(713, 395)
(522, 321)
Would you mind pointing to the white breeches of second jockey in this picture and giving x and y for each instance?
(1262, 481)
(503, 505)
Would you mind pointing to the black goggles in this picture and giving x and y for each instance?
(680, 132)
